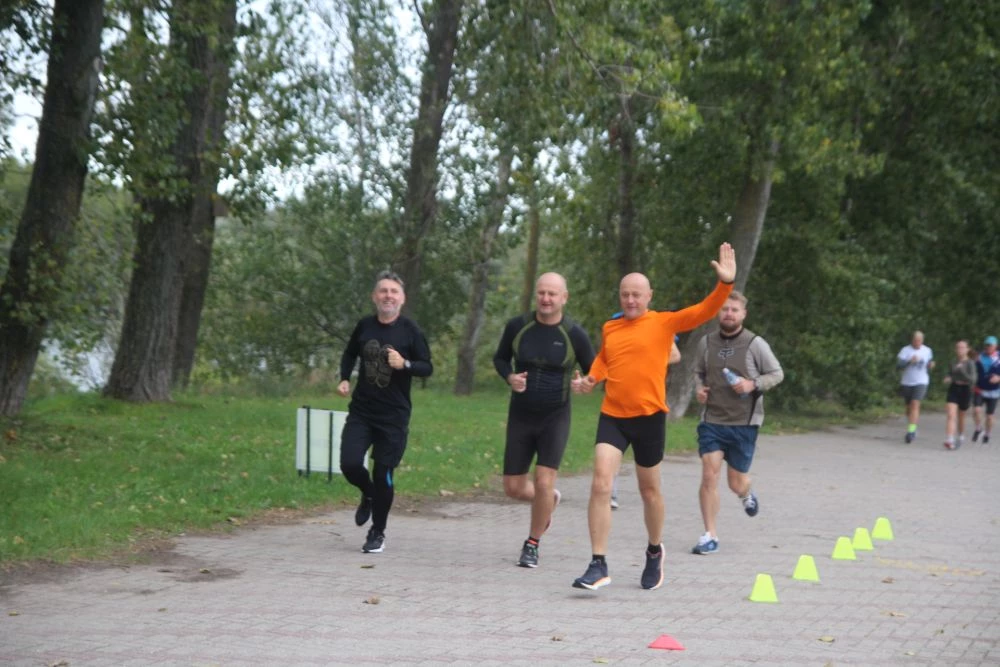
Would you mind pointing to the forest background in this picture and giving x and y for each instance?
(216, 182)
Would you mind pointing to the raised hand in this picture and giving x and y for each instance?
(725, 267)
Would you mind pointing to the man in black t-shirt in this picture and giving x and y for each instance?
(544, 347)
(392, 349)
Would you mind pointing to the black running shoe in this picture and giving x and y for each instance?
(750, 504)
(652, 574)
(375, 542)
(529, 555)
(595, 576)
(364, 511)
(975, 435)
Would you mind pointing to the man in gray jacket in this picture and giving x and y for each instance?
(733, 369)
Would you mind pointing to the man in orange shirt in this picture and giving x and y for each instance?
(632, 362)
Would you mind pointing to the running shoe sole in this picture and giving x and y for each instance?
(603, 581)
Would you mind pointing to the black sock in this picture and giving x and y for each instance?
(654, 549)
(598, 557)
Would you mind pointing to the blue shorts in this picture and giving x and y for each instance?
(737, 443)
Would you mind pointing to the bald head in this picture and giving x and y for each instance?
(551, 280)
(550, 297)
(634, 295)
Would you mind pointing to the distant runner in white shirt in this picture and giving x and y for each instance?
(915, 360)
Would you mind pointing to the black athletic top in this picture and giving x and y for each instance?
(382, 393)
(548, 352)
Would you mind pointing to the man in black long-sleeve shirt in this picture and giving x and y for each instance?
(545, 347)
(392, 350)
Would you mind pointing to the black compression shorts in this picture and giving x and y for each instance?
(531, 433)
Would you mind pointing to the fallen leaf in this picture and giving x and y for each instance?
(367, 567)
(205, 570)
(18, 539)
(445, 493)
(233, 520)
(162, 609)
(897, 614)
(59, 663)
(372, 600)
(940, 631)
(10, 435)
(601, 661)
(888, 580)
(557, 638)
(13, 613)
(827, 638)
(911, 653)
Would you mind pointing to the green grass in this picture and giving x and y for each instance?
(83, 477)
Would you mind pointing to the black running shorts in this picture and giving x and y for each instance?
(647, 435)
(960, 394)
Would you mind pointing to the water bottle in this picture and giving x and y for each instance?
(732, 378)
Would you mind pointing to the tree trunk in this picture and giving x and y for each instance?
(748, 218)
(534, 236)
(747, 227)
(625, 252)
(45, 232)
(466, 374)
(142, 366)
(420, 204)
(218, 57)
(144, 362)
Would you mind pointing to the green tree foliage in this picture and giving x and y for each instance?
(287, 291)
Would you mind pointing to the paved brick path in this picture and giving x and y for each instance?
(446, 590)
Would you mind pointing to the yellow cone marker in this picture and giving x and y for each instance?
(843, 550)
(805, 570)
(763, 589)
(862, 541)
(882, 529)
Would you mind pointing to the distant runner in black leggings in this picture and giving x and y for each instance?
(537, 355)
(392, 350)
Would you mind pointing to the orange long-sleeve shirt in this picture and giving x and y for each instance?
(634, 354)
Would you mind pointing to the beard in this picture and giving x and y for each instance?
(730, 328)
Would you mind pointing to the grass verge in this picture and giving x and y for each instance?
(82, 477)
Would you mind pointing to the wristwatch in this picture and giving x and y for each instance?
(406, 364)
